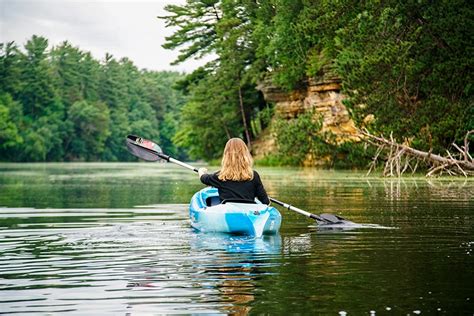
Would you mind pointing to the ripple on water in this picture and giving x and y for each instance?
(119, 259)
(148, 260)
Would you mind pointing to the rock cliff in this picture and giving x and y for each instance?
(321, 94)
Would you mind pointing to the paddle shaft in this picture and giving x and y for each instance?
(171, 159)
(182, 164)
(297, 210)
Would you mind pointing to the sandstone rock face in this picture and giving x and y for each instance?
(323, 95)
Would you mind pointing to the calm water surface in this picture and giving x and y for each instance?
(115, 239)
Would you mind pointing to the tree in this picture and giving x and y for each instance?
(10, 113)
(66, 63)
(90, 77)
(223, 87)
(409, 64)
(91, 129)
(43, 129)
(196, 25)
(167, 102)
(209, 119)
(38, 89)
(10, 68)
(114, 93)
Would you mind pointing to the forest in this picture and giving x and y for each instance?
(408, 64)
(62, 104)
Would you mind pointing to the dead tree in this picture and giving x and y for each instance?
(401, 157)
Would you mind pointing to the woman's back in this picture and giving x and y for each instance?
(236, 178)
(244, 190)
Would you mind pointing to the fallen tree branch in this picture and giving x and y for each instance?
(456, 163)
(466, 144)
(396, 152)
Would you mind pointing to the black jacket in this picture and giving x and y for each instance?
(247, 190)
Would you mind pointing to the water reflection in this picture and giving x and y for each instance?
(401, 188)
(223, 268)
(386, 202)
(267, 245)
(235, 264)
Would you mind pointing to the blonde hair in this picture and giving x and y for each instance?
(236, 162)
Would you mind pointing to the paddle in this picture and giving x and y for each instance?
(149, 151)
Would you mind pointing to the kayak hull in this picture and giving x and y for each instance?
(232, 218)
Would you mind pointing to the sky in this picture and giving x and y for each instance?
(123, 28)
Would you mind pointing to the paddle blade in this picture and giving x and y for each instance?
(331, 219)
(143, 148)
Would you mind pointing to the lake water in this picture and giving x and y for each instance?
(115, 239)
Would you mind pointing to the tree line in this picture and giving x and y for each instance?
(61, 104)
(409, 64)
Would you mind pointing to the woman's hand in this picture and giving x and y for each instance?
(202, 171)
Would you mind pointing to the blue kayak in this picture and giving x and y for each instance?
(209, 215)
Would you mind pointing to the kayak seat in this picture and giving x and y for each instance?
(239, 201)
(213, 200)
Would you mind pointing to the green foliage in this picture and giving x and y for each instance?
(41, 140)
(350, 155)
(90, 130)
(67, 67)
(167, 102)
(273, 160)
(262, 119)
(209, 119)
(286, 51)
(38, 91)
(10, 68)
(295, 38)
(61, 104)
(10, 111)
(222, 95)
(408, 63)
(294, 146)
(195, 22)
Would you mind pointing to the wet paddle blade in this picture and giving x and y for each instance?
(143, 148)
(331, 219)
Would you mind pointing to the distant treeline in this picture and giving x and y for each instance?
(407, 63)
(61, 104)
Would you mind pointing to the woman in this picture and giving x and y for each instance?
(236, 179)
